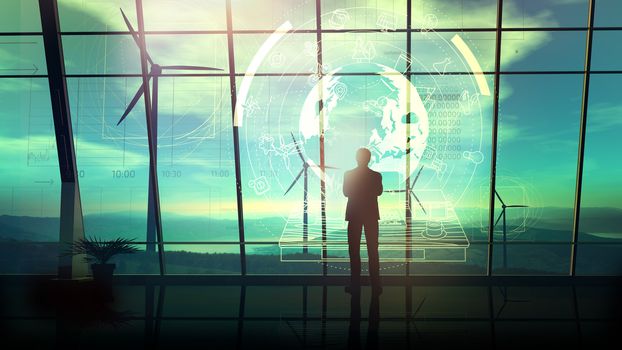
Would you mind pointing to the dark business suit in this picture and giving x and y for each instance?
(362, 186)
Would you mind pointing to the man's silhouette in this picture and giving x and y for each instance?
(362, 186)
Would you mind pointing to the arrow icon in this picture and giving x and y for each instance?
(49, 182)
(34, 69)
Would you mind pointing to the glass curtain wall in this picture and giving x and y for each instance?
(312, 81)
(29, 176)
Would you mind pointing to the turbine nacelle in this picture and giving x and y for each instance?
(306, 164)
(155, 70)
(504, 207)
(410, 190)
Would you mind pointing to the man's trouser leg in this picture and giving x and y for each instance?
(371, 237)
(354, 248)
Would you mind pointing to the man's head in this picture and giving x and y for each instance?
(363, 155)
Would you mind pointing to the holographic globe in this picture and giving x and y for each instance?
(382, 112)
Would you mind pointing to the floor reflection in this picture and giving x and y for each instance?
(80, 314)
(373, 321)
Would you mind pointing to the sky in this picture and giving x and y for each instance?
(538, 114)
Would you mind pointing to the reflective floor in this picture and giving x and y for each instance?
(49, 314)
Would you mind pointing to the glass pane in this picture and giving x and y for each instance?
(392, 258)
(443, 52)
(112, 160)
(601, 195)
(30, 175)
(293, 53)
(607, 50)
(431, 14)
(270, 14)
(364, 14)
(87, 16)
(531, 259)
(468, 259)
(22, 55)
(189, 49)
(166, 15)
(20, 256)
(282, 260)
(190, 259)
(20, 16)
(100, 54)
(454, 177)
(544, 13)
(160, 15)
(546, 51)
(536, 164)
(599, 259)
(119, 54)
(268, 155)
(195, 159)
(358, 52)
(145, 261)
(30, 190)
(607, 13)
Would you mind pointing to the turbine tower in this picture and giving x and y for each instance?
(304, 171)
(502, 215)
(155, 72)
(411, 193)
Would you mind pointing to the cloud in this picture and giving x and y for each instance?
(568, 2)
(21, 85)
(604, 117)
(97, 153)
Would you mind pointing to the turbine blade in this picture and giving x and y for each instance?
(500, 200)
(395, 191)
(295, 180)
(417, 177)
(325, 166)
(418, 201)
(132, 103)
(517, 206)
(298, 149)
(135, 35)
(499, 218)
(189, 68)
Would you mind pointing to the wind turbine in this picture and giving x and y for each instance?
(306, 164)
(411, 192)
(502, 215)
(155, 73)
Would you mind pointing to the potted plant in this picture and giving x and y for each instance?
(98, 252)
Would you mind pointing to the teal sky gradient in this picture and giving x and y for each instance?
(539, 114)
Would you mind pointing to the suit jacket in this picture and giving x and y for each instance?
(362, 186)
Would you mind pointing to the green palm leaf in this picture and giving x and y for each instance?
(99, 251)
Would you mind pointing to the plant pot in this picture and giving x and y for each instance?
(102, 273)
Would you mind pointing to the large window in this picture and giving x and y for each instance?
(30, 180)
(413, 80)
